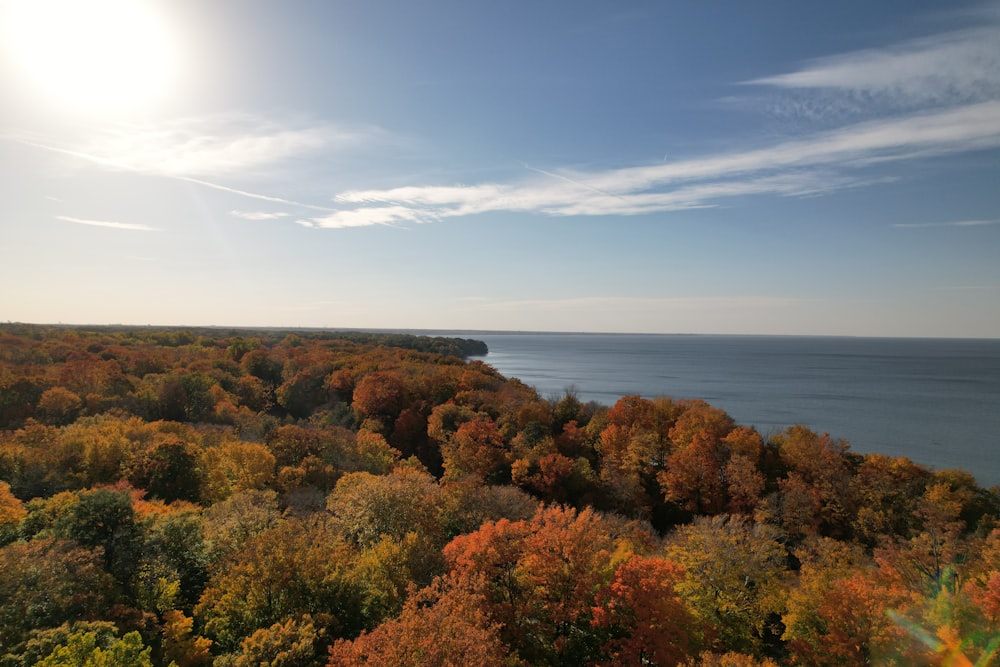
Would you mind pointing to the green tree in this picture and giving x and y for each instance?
(46, 582)
(104, 518)
(170, 471)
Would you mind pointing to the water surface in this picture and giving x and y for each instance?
(935, 401)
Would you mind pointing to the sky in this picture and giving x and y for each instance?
(771, 167)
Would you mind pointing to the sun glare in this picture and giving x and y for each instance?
(93, 56)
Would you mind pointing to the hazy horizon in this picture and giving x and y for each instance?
(723, 169)
(464, 332)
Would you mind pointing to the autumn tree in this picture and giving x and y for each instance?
(634, 446)
(82, 649)
(645, 620)
(175, 551)
(180, 645)
(817, 496)
(294, 642)
(539, 578)
(380, 395)
(365, 507)
(292, 569)
(888, 491)
(693, 477)
(477, 448)
(236, 466)
(228, 524)
(698, 418)
(302, 393)
(11, 512)
(59, 406)
(442, 625)
(837, 612)
(733, 578)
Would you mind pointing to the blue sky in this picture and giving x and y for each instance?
(674, 167)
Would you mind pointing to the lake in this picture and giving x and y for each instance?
(935, 401)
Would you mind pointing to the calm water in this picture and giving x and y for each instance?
(934, 401)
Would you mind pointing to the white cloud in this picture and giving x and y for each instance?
(942, 91)
(144, 166)
(108, 223)
(259, 215)
(959, 66)
(816, 164)
(376, 215)
(216, 146)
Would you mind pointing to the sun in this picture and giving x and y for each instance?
(91, 56)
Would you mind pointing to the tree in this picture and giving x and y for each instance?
(11, 512)
(170, 471)
(46, 582)
(293, 643)
(733, 572)
(380, 395)
(440, 626)
(83, 650)
(693, 477)
(477, 448)
(837, 611)
(888, 491)
(236, 466)
(230, 523)
(302, 393)
(59, 406)
(175, 548)
(365, 507)
(181, 647)
(699, 418)
(292, 569)
(645, 619)
(539, 579)
(104, 518)
(817, 494)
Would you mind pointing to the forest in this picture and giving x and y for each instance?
(306, 498)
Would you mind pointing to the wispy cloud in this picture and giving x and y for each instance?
(643, 303)
(203, 150)
(952, 223)
(220, 145)
(923, 98)
(108, 223)
(812, 165)
(954, 67)
(259, 215)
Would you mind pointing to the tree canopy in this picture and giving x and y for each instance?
(233, 497)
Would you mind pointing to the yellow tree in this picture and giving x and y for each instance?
(734, 578)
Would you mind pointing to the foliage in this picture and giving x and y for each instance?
(443, 624)
(83, 650)
(231, 497)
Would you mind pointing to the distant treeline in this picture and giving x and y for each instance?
(178, 496)
(175, 336)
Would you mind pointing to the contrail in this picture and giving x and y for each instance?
(107, 162)
(570, 180)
